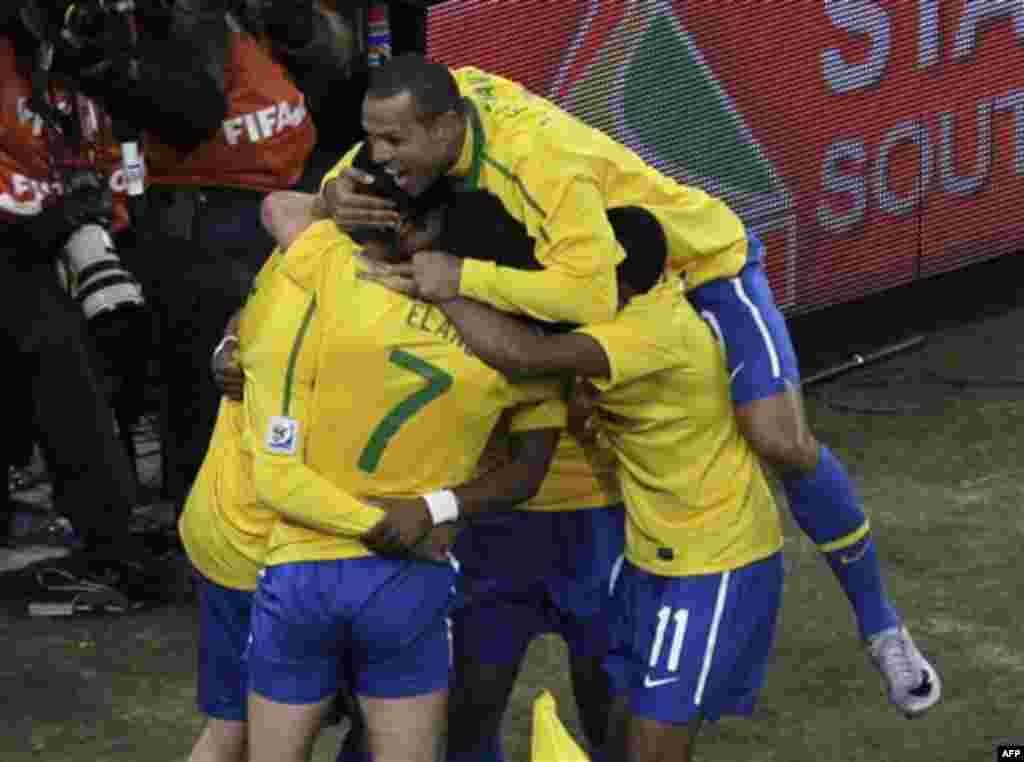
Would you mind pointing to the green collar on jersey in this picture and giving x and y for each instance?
(471, 182)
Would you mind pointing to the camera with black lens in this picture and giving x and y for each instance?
(82, 33)
(87, 22)
(89, 267)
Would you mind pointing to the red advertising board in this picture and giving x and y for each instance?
(869, 143)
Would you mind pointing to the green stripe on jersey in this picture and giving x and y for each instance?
(293, 357)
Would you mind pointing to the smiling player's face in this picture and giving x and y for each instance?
(415, 152)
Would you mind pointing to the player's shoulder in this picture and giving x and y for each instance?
(663, 314)
(523, 118)
(319, 246)
(472, 79)
(667, 316)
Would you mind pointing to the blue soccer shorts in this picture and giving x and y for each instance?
(223, 684)
(687, 647)
(524, 573)
(743, 314)
(381, 625)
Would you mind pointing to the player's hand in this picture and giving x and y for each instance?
(405, 525)
(582, 411)
(436, 276)
(438, 543)
(346, 200)
(286, 214)
(378, 272)
(227, 372)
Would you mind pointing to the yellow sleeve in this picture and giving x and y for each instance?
(343, 162)
(542, 415)
(268, 267)
(286, 485)
(575, 244)
(280, 368)
(636, 343)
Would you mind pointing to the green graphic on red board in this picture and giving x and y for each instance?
(868, 143)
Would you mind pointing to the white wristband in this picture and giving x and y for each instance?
(223, 342)
(443, 506)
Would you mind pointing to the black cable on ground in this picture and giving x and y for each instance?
(859, 361)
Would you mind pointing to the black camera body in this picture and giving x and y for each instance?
(78, 26)
(89, 266)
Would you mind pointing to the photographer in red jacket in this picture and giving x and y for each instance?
(55, 200)
(206, 192)
(209, 89)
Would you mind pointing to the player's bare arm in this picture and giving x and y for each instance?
(514, 483)
(285, 214)
(227, 373)
(409, 523)
(516, 350)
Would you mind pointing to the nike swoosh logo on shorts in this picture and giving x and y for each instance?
(649, 683)
(736, 371)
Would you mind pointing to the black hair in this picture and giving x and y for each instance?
(643, 238)
(430, 84)
(477, 226)
(411, 208)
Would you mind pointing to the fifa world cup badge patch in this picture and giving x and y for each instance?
(283, 435)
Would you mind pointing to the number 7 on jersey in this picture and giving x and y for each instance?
(438, 382)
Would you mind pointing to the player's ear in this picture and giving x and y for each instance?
(446, 127)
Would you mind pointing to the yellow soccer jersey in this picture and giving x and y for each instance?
(223, 527)
(317, 429)
(696, 497)
(558, 176)
(580, 477)
(226, 521)
(399, 407)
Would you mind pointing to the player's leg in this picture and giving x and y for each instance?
(484, 676)
(591, 546)
(653, 741)
(405, 729)
(592, 690)
(821, 495)
(618, 726)
(689, 649)
(499, 611)
(222, 678)
(284, 732)
(770, 412)
(220, 741)
(295, 655)
(401, 658)
(634, 738)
